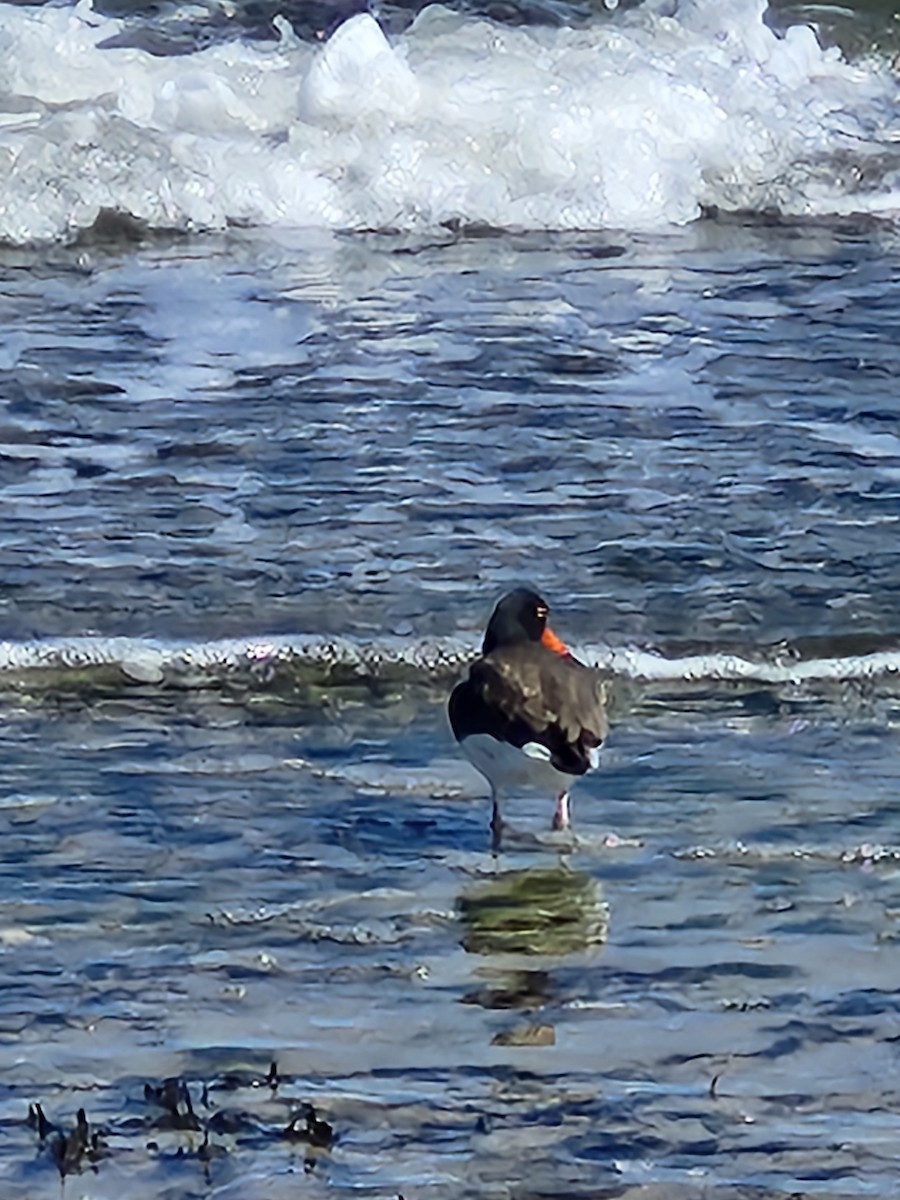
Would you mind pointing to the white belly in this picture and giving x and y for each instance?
(507, 768)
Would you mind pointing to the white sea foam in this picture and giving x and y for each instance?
(637, 121)
(200, 664)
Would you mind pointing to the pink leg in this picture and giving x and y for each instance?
(496, 824)
(561, 815)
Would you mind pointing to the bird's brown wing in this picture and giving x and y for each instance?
(540, 697)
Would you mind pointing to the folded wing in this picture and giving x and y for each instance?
(536, 699)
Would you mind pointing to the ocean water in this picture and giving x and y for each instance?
(458, 120)
(311, 348)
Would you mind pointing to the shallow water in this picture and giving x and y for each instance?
(259, 491)
(193, 889)
(688, 441)
(695, 431)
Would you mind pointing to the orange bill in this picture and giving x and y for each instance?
(552, 642)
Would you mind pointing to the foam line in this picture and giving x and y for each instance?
(331, 659)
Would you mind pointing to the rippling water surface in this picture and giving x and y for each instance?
(686, 436)
(689, 441)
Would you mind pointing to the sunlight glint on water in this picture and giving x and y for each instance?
(291, 473)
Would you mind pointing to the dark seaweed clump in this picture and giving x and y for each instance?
(209, 1129)
(69, 1150)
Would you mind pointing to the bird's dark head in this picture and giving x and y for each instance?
(521, 616)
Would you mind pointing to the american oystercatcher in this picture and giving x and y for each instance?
(529, 713)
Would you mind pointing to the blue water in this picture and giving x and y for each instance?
(259, 492)
(684, 436)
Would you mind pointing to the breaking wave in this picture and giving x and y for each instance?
(649, 119)
(333, 662)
